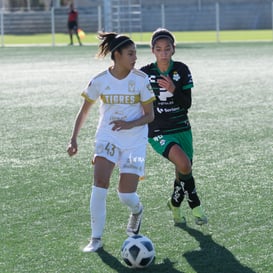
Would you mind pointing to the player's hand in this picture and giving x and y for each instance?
(166, 83)
(72, 148)
(120, 125)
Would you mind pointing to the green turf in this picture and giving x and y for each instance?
(181, 37)
(44, 194)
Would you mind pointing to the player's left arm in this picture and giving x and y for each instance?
(147, 117)
(183, 97)
(184, 85)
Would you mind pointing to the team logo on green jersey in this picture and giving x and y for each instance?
(176, 76)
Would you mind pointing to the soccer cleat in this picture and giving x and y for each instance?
(94, 245)
(178, 216)
(134, 223)
(200, 217)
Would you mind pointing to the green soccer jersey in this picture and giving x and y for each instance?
(171, 109)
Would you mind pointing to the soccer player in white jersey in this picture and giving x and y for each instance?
(126, 107)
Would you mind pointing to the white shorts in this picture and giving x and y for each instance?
(128, 160)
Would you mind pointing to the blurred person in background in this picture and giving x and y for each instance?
(72, 24)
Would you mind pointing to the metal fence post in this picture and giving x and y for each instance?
(163, 20)
(99, 18)
(217, 22)
(53, 26)
(2, 27)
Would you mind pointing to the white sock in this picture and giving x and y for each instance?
(131, 200)
(98, 211)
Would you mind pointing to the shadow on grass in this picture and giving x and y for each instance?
(114, 263)
(211, 257)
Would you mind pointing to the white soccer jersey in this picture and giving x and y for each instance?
(120, 100)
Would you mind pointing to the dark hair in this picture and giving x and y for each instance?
(162, 33)
(112, 41)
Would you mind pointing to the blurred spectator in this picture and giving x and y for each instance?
(72, 24)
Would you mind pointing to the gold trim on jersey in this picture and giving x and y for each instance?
(149, 101)
(87, 98)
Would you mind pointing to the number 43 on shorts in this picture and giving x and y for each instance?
(110, 148)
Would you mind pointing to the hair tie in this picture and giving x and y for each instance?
(162, 36)
(119, 44)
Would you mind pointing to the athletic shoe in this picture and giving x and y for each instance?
(178, 216)
(134, 223)
(93, 246)
(200, 217)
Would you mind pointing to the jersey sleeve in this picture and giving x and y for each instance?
(187, 82)
(91, 92)
(147, 94)
(182, 92)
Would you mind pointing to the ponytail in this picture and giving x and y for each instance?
(111, 41)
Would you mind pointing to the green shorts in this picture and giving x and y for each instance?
(163, 143)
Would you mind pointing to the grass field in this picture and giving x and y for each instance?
(181, 37)
(45, 194)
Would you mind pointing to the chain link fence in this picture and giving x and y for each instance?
(211, 16)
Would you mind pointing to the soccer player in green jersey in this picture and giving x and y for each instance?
(170, 133)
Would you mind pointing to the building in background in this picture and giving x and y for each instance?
(35, 16)
(28, 5)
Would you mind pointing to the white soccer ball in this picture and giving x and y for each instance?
(138, 251)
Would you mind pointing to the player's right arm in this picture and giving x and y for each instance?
(80, 119)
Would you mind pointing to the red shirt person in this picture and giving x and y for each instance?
(72, 24)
